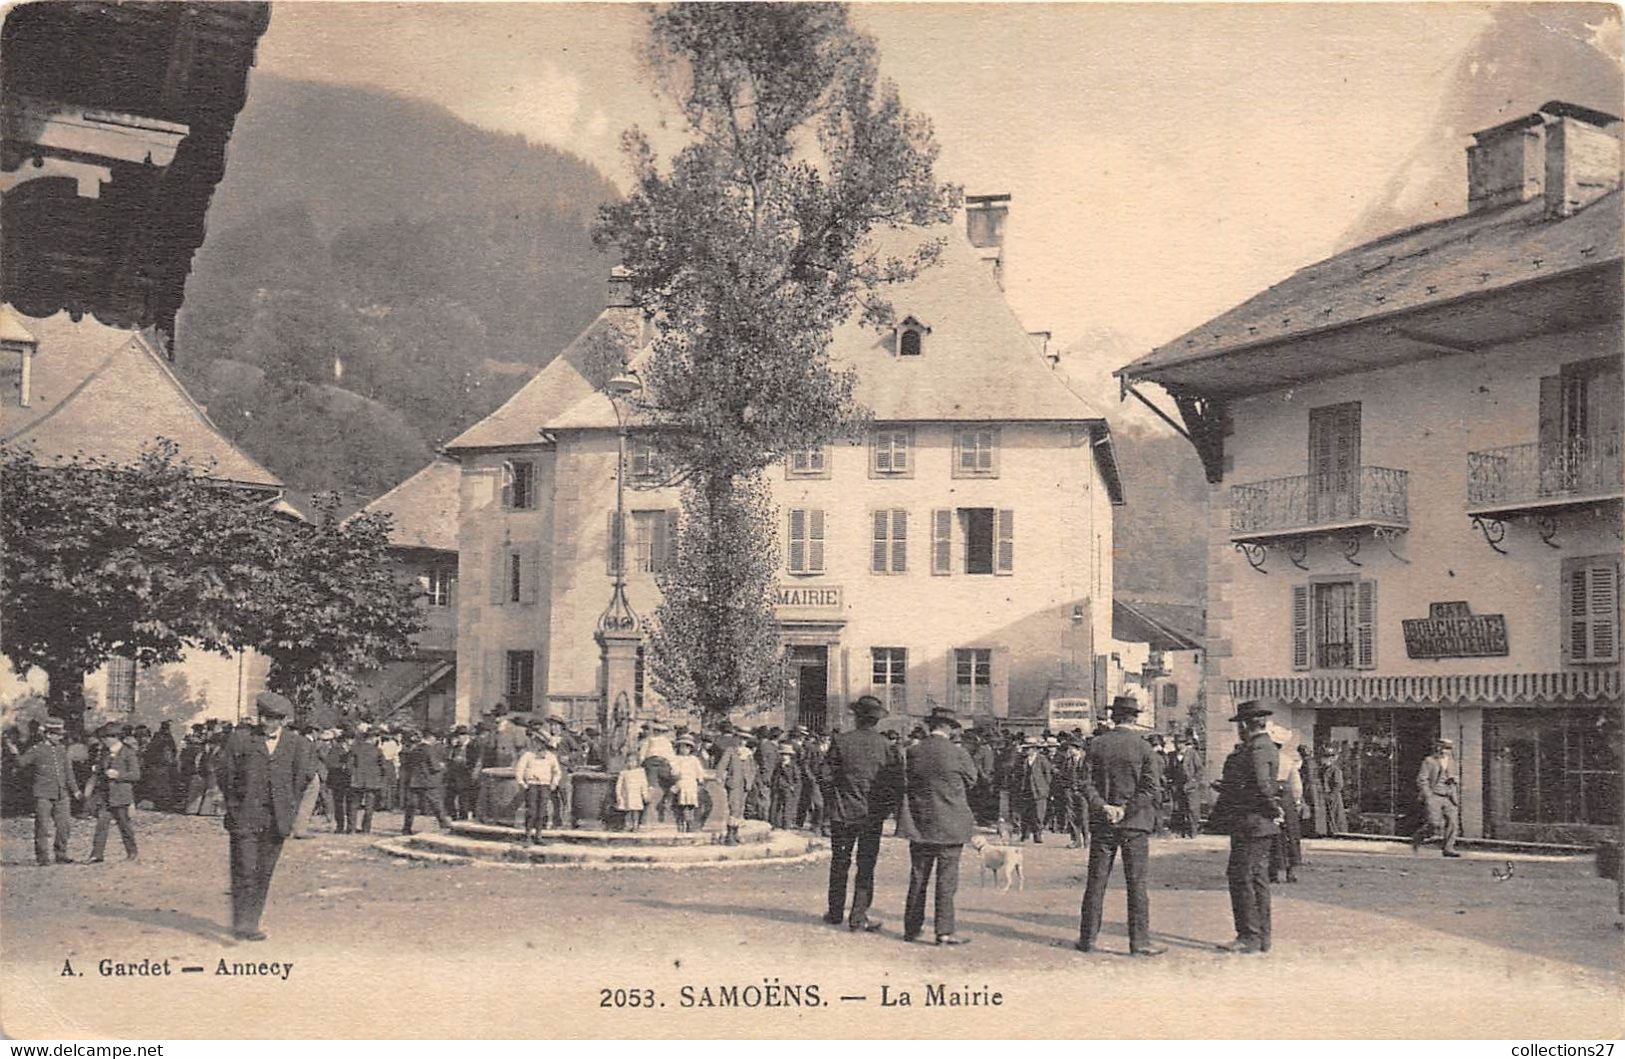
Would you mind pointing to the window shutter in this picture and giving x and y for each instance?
(1300, 626)
(877, 550)
(952, 699)
(879, 455)
(1577, 629)
(899, 541)
(527, 574)
(1365, 625)
(1604, 605)
(507, 484)
(1551, 422)
(798, 540)
(1006, 556)
(999, 681)
(669, 556)
(942, 532)
(499, 576)
(815, 541)
(900, 451)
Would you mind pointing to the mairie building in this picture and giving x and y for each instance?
(1414, 451)
(959, 554)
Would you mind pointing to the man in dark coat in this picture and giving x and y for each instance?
(1250, 811)
(1033, 778)
(1120, 784)
(264, 772)
(862, 776)
(1184, 777)
(424, 765)
(940, 776)
(366, 778)
(52, 786)
(114, 779)
(1068, 789)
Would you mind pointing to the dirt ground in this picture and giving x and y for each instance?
(1373, 942)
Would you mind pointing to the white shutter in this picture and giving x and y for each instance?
(1005, 556)
(878, 546)
(815, 541)
(798, 541)
(899, 541)
(879, 452)
(942, 540)
(900, 454)
(1365, 625)
(507, 484)
(1300, 626)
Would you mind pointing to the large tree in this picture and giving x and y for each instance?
(749, 248)
(149, 559)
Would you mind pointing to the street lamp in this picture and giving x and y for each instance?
(618, 618)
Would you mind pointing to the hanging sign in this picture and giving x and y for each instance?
(1452, 630)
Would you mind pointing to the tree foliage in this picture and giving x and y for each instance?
(150, 559)
(749, 249)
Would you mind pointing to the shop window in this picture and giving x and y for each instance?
(889, 547)
(890, 677)
(1553, 767)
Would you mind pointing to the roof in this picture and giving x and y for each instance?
(106, 392)
(423, 508)
(1417, 270)
(1165, 626)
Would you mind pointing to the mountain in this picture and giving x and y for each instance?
(379, 274)
(1527, 55)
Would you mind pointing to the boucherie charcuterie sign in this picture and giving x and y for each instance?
(1452, 630)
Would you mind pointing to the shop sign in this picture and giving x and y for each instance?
(808, 597)
(1452, 630)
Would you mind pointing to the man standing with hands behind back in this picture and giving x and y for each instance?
(263, 773)
(1120, 785)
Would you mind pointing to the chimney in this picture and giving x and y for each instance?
(984, 227)
(1568, 155)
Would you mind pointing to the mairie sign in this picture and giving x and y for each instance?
(1452, 630)
(808, 597)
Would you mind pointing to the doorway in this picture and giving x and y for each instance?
(1334, 462)
(811, 664)
(1381, 751)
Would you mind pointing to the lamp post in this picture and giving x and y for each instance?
(619, 632)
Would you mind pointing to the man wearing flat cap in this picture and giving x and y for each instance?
(1440, 787)
(1120, 785)
(263, 773)
(1250, 810)
(862, 778)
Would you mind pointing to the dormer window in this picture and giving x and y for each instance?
(911, 337)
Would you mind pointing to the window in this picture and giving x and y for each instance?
(521, 682)
(889, 548)
(889, 455)
(973, 680)
(942, 541)
(891, 677)
(1552, 767)
(1334, 462)
(989, 537)
(513, 577)
(121, 684)
(1170, 696)
(653, 540)
(806, 551)
(808, 463)
(911, 337)
(1590, 602)
(643, 460)
(519, 485)
(976, 452)
(1334, 625)
(1580, 428)
(436, 586)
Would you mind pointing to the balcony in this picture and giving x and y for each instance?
(1308, 505)
(1536, 479)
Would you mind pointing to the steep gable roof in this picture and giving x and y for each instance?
(106, 391)
(424, 508)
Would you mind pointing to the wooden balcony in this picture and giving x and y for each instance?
(1310, 505)
(1536, 479)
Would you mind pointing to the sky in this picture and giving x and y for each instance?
(1166, 161)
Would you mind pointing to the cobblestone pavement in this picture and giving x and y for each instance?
(1372, 942)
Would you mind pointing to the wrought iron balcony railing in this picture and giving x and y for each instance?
(1314, 503)
(1535, 476)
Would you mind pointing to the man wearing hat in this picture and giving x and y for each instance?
(53, 785)
(1120, 785)
(263, 773)
(786, 788)
(1440, 788)
(1032, 786)
(1250, 810)
(424, 767)
(862, 777)
(1184, 777)
(366, 778)
(940, 776)
(113, 778)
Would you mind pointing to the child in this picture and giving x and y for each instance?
(537, 773)
(631, 787)
(786, 789)
(688, 772)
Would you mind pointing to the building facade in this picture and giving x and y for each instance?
(1414, 451)
(959, 554)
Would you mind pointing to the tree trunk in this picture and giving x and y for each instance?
(65, 697)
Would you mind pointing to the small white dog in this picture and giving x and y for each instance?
(1003, 861)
